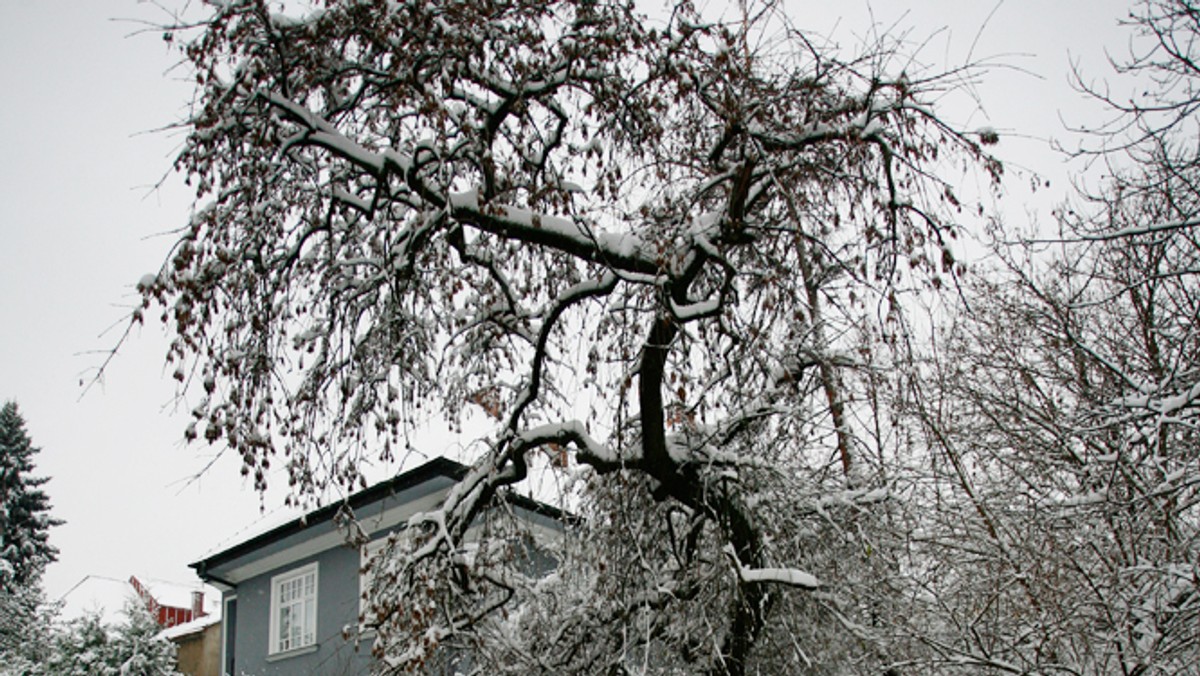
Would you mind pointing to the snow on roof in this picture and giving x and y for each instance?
(281, 522)
(194, 626)
(179, 594)
(106, 596)
(264, 524)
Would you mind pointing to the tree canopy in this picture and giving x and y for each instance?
(89, 646)
(672, 256)
(1068, 402)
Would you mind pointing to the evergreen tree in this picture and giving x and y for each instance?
(25, 518)
(87, 646)
(26, 629)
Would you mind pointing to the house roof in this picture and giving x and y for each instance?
(197, 625)
(99, 594)
(177, 594)
(108, 596)
(439, 470)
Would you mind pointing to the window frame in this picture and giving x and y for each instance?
(309, 618)
(229, 634)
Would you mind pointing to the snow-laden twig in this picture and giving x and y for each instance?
(792, 577)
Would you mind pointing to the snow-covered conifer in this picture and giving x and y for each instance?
(25, 519)
(88, 646)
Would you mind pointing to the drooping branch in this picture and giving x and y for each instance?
(424, 205)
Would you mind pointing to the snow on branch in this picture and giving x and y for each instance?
(791, 577)
(320, 133)
(1166, 405)
(624, 251)
(1133, 231)
(699, 310)
(591, 451)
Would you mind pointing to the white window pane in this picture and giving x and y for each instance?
(294, 608)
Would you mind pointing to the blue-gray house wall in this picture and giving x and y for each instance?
(245, 571)
(337, 610)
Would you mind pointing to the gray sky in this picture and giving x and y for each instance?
(77, 229)
(79, 226)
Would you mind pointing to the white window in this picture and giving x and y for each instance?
(294, 609)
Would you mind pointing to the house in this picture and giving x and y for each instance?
(169, 603)
(186, 613)
(195, 631)
(289, 594)
(163, 612)
(197, 645)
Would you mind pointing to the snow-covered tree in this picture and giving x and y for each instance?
(26, 627)
(1068, 538)
(667, 252)
(1148, 208)
(25, 550)
(25, 519)
(1068, 405)
(87, 646)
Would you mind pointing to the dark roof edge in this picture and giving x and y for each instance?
(443, 467)
(538, 507)
(438, 467)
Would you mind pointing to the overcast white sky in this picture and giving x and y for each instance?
(79, 225)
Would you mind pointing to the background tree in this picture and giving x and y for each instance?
(88, 646)
(1066, 425)
(26, 627)
(25, 550)
(1068, 537)
(25, 519)
(669, 252)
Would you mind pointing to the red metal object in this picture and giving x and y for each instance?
(168, 616)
